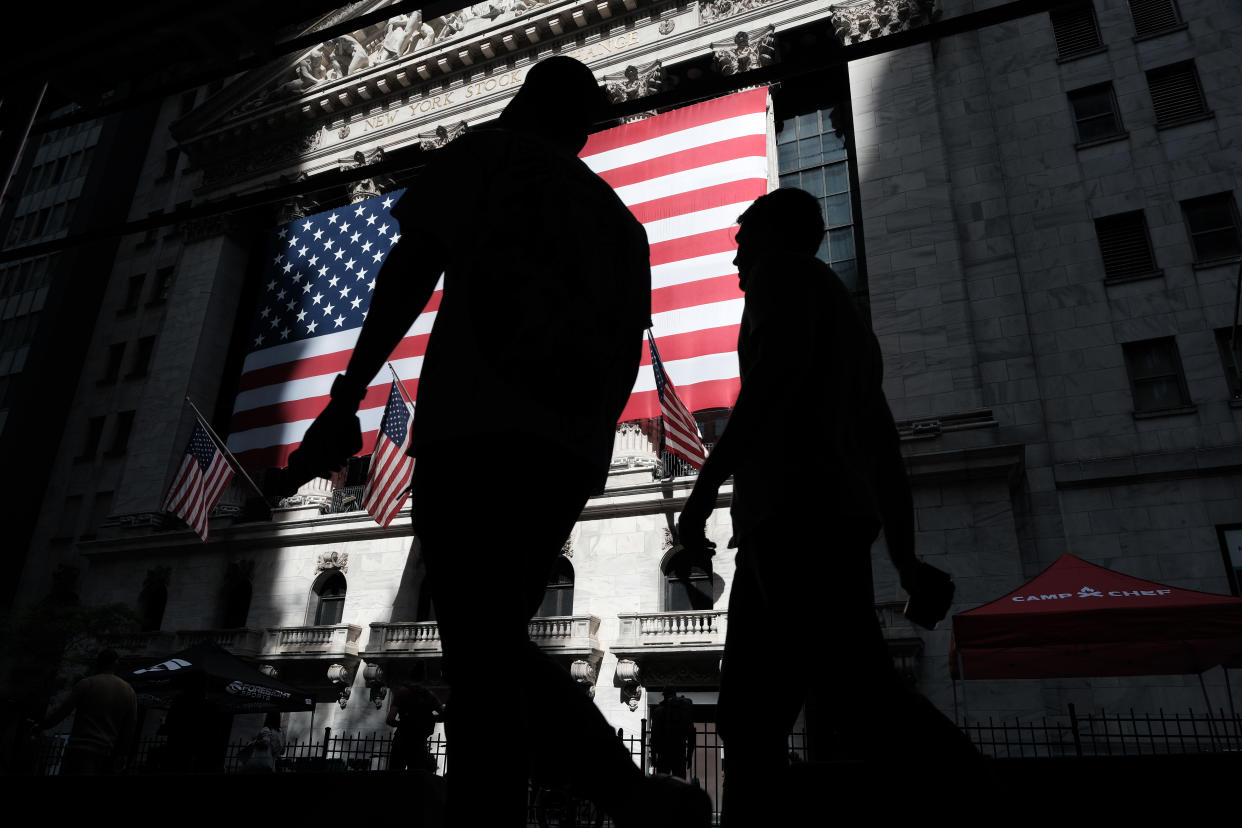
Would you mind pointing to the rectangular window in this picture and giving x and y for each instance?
(171, 157)
(1154, 16)
(1156, 378)
(162, 285)
(142, 359)
(1176, 94)
(101, 507)
(1125, 246)
(116, 354)
(133, 291)
(120, 433)
(1212, 222)
(1231, 546)
(1231, 359)
(90, 446)
(1095, 113)
(1075, 29)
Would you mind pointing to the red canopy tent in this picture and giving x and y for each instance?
(1079, 619)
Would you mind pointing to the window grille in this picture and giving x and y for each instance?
(1175, 93)
(1156, 378)
(1125, 246)
(1212, 222)
(1075, 30)
(1095, 113)
(1154, 16)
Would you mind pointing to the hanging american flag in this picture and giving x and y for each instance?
(388, 478)
(681, 431)
(686, 175)
(199, 482)
(320, 272)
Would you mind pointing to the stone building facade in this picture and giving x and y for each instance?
(1040, 218)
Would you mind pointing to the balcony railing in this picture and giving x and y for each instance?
(334, 640)
(404, 637)
(565, 632)
(562, 632)
(244, 642)
(700, 629)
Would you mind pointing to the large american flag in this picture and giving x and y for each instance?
(686, 175)
(199, 482)
(681, 431)
(388, 478)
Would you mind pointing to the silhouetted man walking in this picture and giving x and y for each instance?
(533, 355)
(805, 513)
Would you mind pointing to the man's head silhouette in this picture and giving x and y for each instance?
(559, 101)
(787, 220)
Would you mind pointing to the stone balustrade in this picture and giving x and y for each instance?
(335, 639)
(409, 637)
(694, 629)
(244, 642)
(565, 632)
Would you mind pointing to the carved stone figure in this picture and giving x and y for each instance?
(749, 50)
(866, 19)
(636, 82)
(440, 136)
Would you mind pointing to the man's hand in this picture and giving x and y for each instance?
(692, 530)
(334, 436)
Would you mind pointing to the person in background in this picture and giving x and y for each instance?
(105, 708)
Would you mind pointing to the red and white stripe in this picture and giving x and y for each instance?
(194, 495)
(686, 175)
(681, 431)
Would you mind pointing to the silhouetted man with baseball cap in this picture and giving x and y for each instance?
(536, 345)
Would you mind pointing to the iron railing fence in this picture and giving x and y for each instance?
(1109, 734)
(1077, 734)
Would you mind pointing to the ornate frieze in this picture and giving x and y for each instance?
(711, 11)
(746, 51)
(635, 82)
(333, 560)
(867, 19)
(399, 38)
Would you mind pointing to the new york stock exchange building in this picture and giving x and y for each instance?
(1037, 214)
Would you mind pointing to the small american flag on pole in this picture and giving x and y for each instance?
(200, 480)
(681, 431)
(388, 479)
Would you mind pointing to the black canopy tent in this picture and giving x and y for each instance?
(230, 684)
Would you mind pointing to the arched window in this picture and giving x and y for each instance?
(693, 592)
(558, 598)
(330, 593)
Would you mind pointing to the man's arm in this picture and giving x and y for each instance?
(58, 714)
(402, 290)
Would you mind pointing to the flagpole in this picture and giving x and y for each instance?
(223, 448)
(408, 398)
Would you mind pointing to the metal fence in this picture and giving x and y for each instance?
(1109, 734)
(1090, 734)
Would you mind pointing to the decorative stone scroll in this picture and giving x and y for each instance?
(867, 19)
(333, 560)
(748, 50)
(635, 82)
(626, 677)
(584, 673)
(373, 675)
(440, 136)
(341, 677)
(632, 447)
